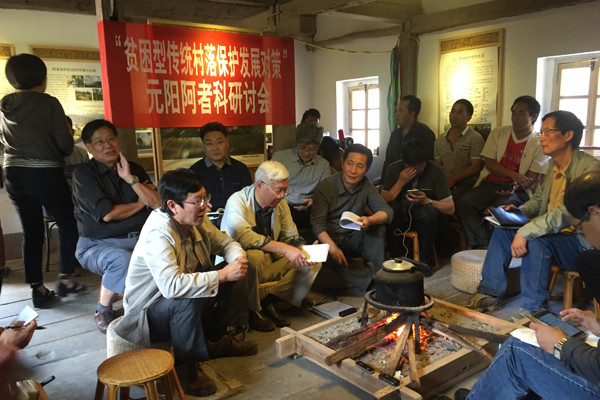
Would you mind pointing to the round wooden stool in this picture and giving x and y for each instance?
(143, 367)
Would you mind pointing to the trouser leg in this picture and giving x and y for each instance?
(232, 306)
(181, 321)
(256, 262)
(471, 207)
(426, 221)
(535, 268)
(497, 260)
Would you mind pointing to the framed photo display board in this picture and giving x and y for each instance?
(75, 79)
(470, 68)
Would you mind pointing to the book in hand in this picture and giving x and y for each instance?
(512, 219)
(349, 220)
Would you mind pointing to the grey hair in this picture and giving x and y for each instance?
(309, 132)
(271, 171)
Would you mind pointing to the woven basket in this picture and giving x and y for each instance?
(466, 269)
(115, 344)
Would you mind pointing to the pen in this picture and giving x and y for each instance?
(22, 327)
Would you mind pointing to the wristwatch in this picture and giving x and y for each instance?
(134, 181)
(430, 202)
(558, 347)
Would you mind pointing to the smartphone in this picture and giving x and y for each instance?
(413, 190)
(551, 319)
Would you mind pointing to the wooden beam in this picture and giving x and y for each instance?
(433, 22)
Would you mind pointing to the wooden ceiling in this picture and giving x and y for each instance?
(298, 18)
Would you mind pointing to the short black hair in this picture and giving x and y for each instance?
(414, 153)
(175, 185)
(582, 193)
(91, 127)
(211, 127)
(361, 149)
(533, 106)
(311, 111)
(468, 105)
(25, 71)
(414, 104)
(567, 121)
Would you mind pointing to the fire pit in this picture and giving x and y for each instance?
(398, 353)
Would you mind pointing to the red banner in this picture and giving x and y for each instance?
(164, 76)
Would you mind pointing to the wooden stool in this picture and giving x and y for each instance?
(569, 277)
(144, 368)
(414, 236)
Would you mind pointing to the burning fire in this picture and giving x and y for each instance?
(424, 335)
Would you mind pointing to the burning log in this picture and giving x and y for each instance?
(412, 363)
(394, 360)
(367, 337)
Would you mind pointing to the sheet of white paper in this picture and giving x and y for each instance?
(316, 252)
(526, 335)
(26, 315)
(348, 220)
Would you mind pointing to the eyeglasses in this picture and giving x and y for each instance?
(546, 132)
(585, 218)
(101, 143)
(308, 149)
(277, 195)
(200, 203)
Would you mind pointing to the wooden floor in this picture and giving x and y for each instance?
(71, 348)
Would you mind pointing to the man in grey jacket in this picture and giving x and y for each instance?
(172, 285)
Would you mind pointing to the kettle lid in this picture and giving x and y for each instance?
(398, 265)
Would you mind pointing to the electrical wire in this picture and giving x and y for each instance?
(399, 232)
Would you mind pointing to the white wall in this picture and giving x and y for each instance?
(24, 28)
(560, 31)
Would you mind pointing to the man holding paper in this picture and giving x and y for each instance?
(350, 190)
(259, 219)
(546, 239)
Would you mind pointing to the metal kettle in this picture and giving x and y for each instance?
(400, 282)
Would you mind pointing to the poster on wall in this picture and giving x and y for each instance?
(170, 76)
(6, 51)
(75, 79)
(470, 69)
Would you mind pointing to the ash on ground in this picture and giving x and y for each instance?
(324, 335)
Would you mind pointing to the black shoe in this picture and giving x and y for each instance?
(271, 312)
(63, 290)
(42, 300)
(194, 381)
(259, 322)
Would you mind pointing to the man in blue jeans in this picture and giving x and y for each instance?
(545, 239)
(561, 368)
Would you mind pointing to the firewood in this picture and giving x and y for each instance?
(412, 363)
(392, 363)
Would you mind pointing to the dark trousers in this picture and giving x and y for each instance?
(423, 219)
(369, 245)
(188, 323)
(29, 189)
(587, 264)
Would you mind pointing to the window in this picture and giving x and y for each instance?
(364, 115)
(579, 93)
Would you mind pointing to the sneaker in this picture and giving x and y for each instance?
(228, 346)
(194, 380)
(484, 302)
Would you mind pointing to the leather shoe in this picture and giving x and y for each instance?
(271, 311)
(194, 381)
(259, 322)
(104, 318)
(228, 346)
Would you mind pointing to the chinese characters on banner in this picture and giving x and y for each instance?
(164, 76)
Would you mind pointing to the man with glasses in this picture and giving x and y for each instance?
(546, 239)
(306, 169)
(221, 174)
(112, 199)
(175, 293)
(259, 218)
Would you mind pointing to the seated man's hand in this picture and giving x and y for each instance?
(518, 246)
(149, 185)
(508, 207)
(296, 256)
(585, 319)
(417, 197)
(365, 221)
(505, 193)
(234, 271)
(307, 203)
(338, 255)
(123, 168)
(524, 181)
(547, 336)
(406, 175)
(19, 337)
